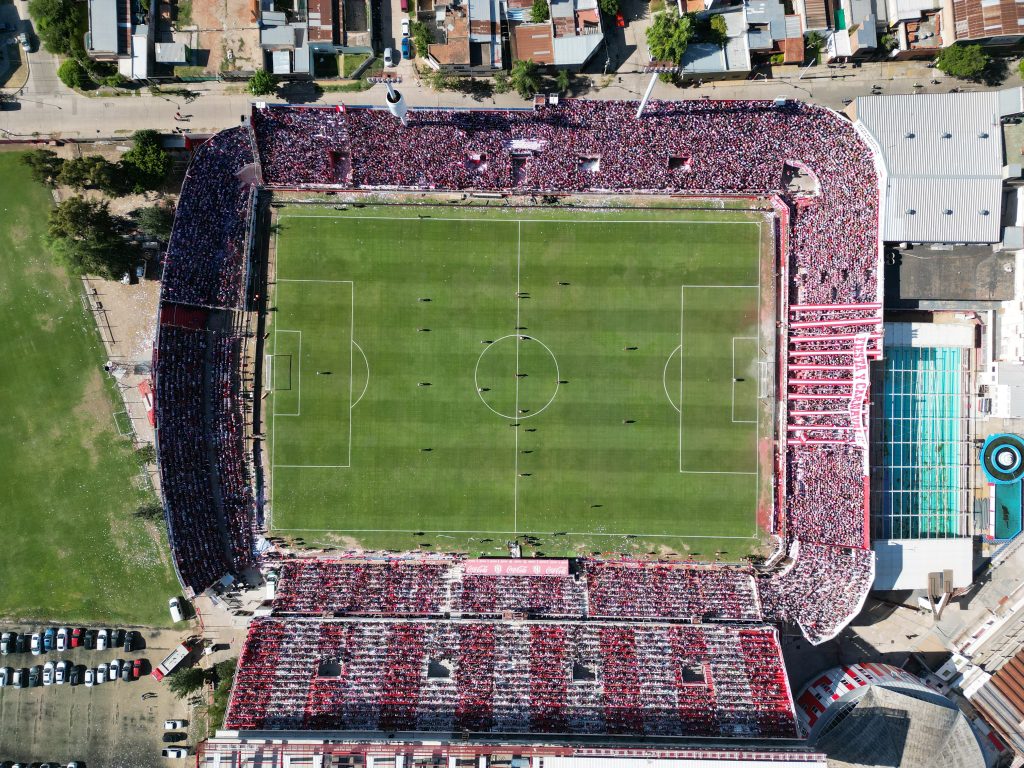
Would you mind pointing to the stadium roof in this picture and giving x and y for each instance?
(943, 155)
(891, 728)
(906, 563)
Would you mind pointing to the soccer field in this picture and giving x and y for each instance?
(453, 377)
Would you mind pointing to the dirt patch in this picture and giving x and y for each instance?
(227, 35)
(94, 407)
(17, 233)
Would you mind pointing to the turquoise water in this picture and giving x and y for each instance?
(1007, 510)
(923, 444)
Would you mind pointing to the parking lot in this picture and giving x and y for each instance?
(113, 725)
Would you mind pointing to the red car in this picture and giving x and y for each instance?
(620, 20)
(137, 669)
(76, 637)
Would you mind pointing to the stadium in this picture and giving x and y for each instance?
(635, 345)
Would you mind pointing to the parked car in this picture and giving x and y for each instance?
(174, 752)
(21, 643)
(174, 725)
(101, 640)
(60, 674)
(48, 669)
(6, 643)
(36, 644)
(76, 637)
(101, 673)
(49, 639)
(405, 6)
(6, 673)
(137, 669)
(170, 738)
(90, 639)
(75, 676)
(62, 639)
(35, 676)
(620, 20)
(20, 678)
(126, 672)
(90, 677)
(26, 43)
(114, 670)
(407, 47)
(389, 57)
(405, 26)
(116, 638)
(129, 641)
(174, 605)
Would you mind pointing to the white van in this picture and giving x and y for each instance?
(175, 606)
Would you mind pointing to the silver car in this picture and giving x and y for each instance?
(6, 673)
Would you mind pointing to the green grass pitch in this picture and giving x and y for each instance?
(72, 550)
(454, 377)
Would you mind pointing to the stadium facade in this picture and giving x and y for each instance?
(522, 671)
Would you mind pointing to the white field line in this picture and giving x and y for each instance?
(484, 219)
(298, 374)
(519, 303)
(492, 532)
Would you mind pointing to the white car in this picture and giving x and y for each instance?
(101, 640)
(90, 677)
(60, 674)
(174, 752)
(48, 669)
(114, 670)
(389, 57)
(6, 673)
(62, 639)
(36, 645)
(26, 44)
(6, 641)
(101, 673)
(174, 605)
(174, 725)
(405, 27)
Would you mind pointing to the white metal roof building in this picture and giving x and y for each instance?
(943, 156)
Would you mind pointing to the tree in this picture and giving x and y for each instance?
(146, 453)
(540, 12)
(889, 42)
(814, 42)
(60, 24)
(44, 166)
(156, 221)
(718, 29)
(91, 172)
(562, 80)
(611, 7)
(668, 35)
(83, 235)
(147, 163)
(525, 78)
(151, 510)
(262, 83)
(501, 83)
(183, 682)
(967, 62)
(420, 36)
(73, 74)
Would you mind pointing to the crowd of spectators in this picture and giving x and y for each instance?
(664, 591)
(597, 589)
(183, 440)
(820, 591)
(571, 677)
(205, 260)
(228, 439)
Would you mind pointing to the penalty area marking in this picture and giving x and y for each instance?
(490, 532)
(733, 393)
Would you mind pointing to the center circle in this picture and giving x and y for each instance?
(1007, 458)
(516, 376)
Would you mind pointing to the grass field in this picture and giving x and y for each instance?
(71, 549)
(454, 377)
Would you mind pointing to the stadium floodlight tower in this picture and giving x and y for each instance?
(394, 99)
(655, 68)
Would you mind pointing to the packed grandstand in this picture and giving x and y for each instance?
(829, 261)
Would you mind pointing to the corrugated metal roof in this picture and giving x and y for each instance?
(906, 563)
(103, 25)
(747, 761)
(943, 155)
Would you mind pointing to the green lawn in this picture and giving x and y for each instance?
(72, 551)
(398, 422)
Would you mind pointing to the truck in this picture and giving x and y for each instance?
(171, 662)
